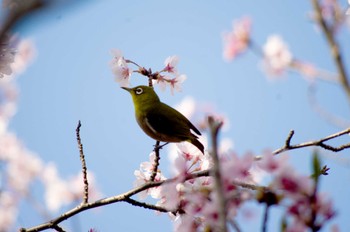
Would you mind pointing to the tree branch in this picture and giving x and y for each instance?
(156, 160)
(317, 143)
(214, 130)
(126, 197)
(106, 201)
(335, 50)
(83, 165)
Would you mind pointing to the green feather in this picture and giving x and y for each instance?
(160, 121)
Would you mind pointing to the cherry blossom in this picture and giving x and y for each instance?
(277, 56)
(120, 68)
(8, 210)
(143, 175)
(170, 64)
(236, 41)
(57, 192)
(76, 186)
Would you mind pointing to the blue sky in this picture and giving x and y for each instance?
(70, 80)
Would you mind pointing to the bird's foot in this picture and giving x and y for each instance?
(157, 146)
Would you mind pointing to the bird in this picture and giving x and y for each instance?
(160, 121)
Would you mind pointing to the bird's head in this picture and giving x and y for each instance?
(142, 95)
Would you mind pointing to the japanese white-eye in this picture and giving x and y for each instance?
(160, 121)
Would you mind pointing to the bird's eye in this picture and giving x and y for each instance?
(138, 91)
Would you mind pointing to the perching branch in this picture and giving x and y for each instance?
(156, 160)
(126, 197)
(334, 46)
(83, 165)
(215, 126)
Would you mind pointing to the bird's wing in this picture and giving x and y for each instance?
(168, 121)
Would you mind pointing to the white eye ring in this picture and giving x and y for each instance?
(138, 91)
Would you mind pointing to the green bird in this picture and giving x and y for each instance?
(160, 121)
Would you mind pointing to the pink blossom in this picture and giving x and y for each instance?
(120, 68)
(187, 106)
(309, 71)
(237, 40)
(185, 222)
(170, 64)
(277, 56)
(174, 83)
(293, 183)
(57, 193)
(8, 210)
(296, 226)
(235, 168)
(210, 212)
(271, 163)
(143, 176)
(301, 210)
(22, 169)
(169, 194)
(76, 186)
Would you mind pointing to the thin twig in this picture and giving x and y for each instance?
(335, 50)
(234, 225)
(214, 130)
(83, 165)
(266, 218)
(58, 228)
(156, 160)
(319, 143)
(148, 206)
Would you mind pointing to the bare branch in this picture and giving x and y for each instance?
(335, 50)
(58, 228)
(148, 206)
(106, 201)
(319, 143)
(83, 165)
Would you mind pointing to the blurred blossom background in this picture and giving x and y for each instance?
(263, 67)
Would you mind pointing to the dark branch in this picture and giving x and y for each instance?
(156, 160)
(334, 46)
(148, 206)
(83, 165)
(318, 143)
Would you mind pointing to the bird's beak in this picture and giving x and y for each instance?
(127, 89)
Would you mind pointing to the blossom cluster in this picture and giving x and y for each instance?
(168, 76)
(276, 55)
(269, 181)
(196, 201)
(21, 168)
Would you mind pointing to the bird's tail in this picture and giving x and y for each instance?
(198, 144)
